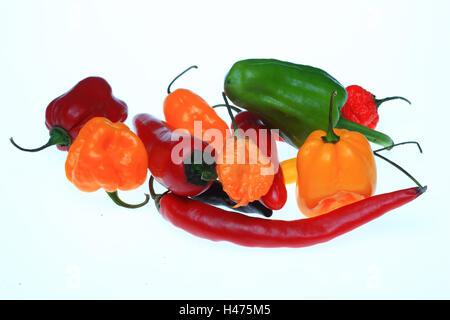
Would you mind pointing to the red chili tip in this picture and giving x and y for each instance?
(421, 190)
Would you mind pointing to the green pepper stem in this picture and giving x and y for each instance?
(399, 144)
(58, 136)
(156, 197)
(331, 136)
(375, 152)
(200, 168)
(370, 134)
(170, 84)
(234, 108)
(115, 197)
(380, 101)
(152, 189)
(233, 120)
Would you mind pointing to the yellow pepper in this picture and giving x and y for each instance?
(289, 169)
(334, 168)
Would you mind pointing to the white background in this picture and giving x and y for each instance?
(59, 243)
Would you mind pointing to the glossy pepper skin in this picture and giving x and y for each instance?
(291, 97)
(289, 168)
(66, 115)
(256, 130)
(216, 196)
(331, 175)
(182, 108)
(362, 106)
(106, 155)
(216, 224)
(182, 179)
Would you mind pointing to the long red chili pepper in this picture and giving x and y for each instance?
(216, 224)
(188, 177)
(66, 115)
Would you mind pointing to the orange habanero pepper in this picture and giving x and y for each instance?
(245, 172)
(335, 168)
(182, 108)
(107, 155)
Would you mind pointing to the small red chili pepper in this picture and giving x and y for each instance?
(194, 169)
(66, 115)
(362, 106)
(255, 129)
(216, 224)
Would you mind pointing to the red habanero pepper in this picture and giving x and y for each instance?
(66, 115)
(182, 163)
(255, 129)
(216, 224)
(362, 106)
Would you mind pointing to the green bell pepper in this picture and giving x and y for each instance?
(293, 98)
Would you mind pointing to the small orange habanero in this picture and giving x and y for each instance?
(335, 168)
(106, 155)
(245, 172)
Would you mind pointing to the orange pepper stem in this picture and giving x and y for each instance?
(58, 136)
(331, 136)
(170, 84)
(380, 101)
(115, 197)
(375, 152)
(233, 120)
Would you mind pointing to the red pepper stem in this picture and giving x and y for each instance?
(380, 101)
(331, 136)
(233, 120)
(170, 84)
(115, 197)
(375, 152)
(58, 136)
(155, 196)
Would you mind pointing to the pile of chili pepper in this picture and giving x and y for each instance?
(206, 165)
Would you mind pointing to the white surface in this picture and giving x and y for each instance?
(57, 242)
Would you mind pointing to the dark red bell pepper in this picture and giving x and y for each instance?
(182, 163)
(66, 115)
(276, 198)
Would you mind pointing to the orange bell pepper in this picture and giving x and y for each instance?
(182, 108)
(335, 168)
(107, 155)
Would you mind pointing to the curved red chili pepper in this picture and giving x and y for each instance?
(66, 115)
(181, 178)
(216, 224)
(276, 197)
